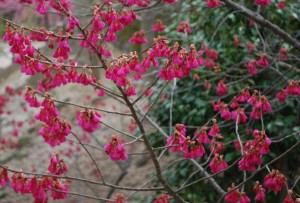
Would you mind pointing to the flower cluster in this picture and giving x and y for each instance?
(138, 37)
(57, 166)
(236, 196)
(191, 149)
(253, 150)
(184, 27)
(158, 26)
(115, 149)
(274, 181)
(55, 129)
(88, 120)
(37, 186)
(175, 140)
(293, 89)
(3, 177)
(221, 88)
(263, 2)
(213, 3)
(31, 98)
(260, 104)
(217, 163)
(259, 191)
(162, 198)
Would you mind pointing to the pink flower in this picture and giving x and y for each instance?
(213, 3)
(250, 47)
(162, 198)
(138, 38)
(293, 88)
(244, 95)
(170, 1)
(225, 114)
(263, 2)
(244, 198)
(239, 113)
(214, 129)
(130, 90)
(37, 190)
(192, 149)
(202, 137)
(177, 138)
(251, 65)
(281, 4)
(158, 26)
(30, 98)
(274, 181)
(236, 40)
(3, 177)
(183, 27)
(73, 22)
(281, 95)
(221, 88)
(19, 183)
(57, 166)
(260, 192)
(263, 60)
(62, 50)
(115, 149)
(88, 120)
(233, 196)
(60, 194)
(283, 53)
(217, 164)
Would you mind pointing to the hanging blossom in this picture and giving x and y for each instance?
(244, 95)
(239, 113)
(119, 198)
(289, 198)
(57, 166)
(174, 141)
(274, 181)
(138, 37)
(3, 177)
(88, 120)
(253, 151)
(162, 198)
(293, 88)
(213, 3)
(251, 66)
(115, 149)
(260, 192)
(250, 47)
(221, 88)
(236, 196)
(214, 130)
(58, 185)
(217, 163)
(260, 104)
(31, 98)
(281, 95)
(283, 54)
(158, 26)
(192, 149)
(55, 129)
(184, 27)
(263, 60)
(263, 2)
(201, 135)
(223, 109)
(216, 146)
